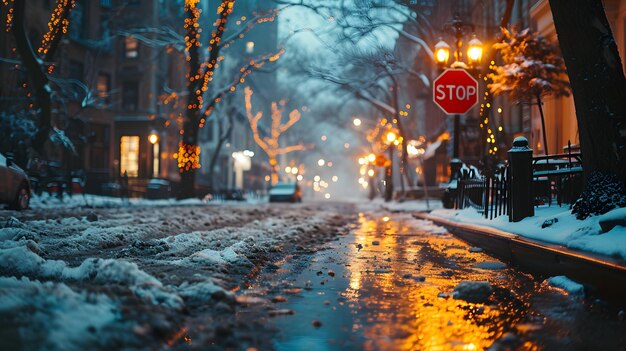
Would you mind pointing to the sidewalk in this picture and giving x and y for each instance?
(576, 249)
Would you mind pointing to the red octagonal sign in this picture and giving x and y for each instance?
(455, 91)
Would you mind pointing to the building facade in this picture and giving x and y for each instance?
(560, 113)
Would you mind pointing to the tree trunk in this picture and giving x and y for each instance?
(218, 148)
(543, 124)
(37, 76)
(195, 89)
(404, 160)
(598, 84)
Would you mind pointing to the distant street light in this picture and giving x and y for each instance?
(356, 122)
(371, 157)
(321, 162)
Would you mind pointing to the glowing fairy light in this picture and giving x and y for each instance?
(270, 144)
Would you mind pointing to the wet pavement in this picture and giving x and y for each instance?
(389, 283)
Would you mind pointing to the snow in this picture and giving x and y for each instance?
(585, 235)
(409, 206)
(65, 279)
(567, 284)
(45, 201)
(52, 316)
(22, 261)
(424, 225)
(615, 215)
(202, 292)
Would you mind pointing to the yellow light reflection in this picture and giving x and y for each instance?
(407, 314)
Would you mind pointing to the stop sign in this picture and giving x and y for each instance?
(455, 91)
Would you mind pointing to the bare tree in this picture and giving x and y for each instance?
(202, 94)
(271, 144)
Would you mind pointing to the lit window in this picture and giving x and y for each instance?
(103, 85)
(131, 47)
(129, 155)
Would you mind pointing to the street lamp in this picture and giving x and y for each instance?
(459, 29)
(442, 53)
(474, 51)
(153, 138)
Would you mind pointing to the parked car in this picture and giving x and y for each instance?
(285, 192)
(14, 184)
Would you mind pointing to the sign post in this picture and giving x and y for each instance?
(455, 91)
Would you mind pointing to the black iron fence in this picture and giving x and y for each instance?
(514, 188)
(487, 193)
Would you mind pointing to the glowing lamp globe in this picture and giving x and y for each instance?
(153, 138)
(474, 52)
(442, 53)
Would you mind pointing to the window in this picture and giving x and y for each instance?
(129, 156)
(130, 95)
(131, 47)
(103, 86)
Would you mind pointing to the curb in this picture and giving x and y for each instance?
(601, 276)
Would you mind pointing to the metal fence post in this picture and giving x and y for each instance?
(520, 160)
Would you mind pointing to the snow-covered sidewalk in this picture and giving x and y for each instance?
(555, 225)
(550, 224)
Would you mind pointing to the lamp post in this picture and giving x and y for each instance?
(459, 29)
(153, 138)
(391, 138)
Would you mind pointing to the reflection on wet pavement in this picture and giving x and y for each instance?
(388, 286)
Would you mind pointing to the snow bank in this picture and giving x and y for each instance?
(426, 225)
(585, 235)
(21, 261)
(51, 316)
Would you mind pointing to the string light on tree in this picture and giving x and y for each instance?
(271, 144)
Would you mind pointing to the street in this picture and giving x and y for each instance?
(317, 276)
